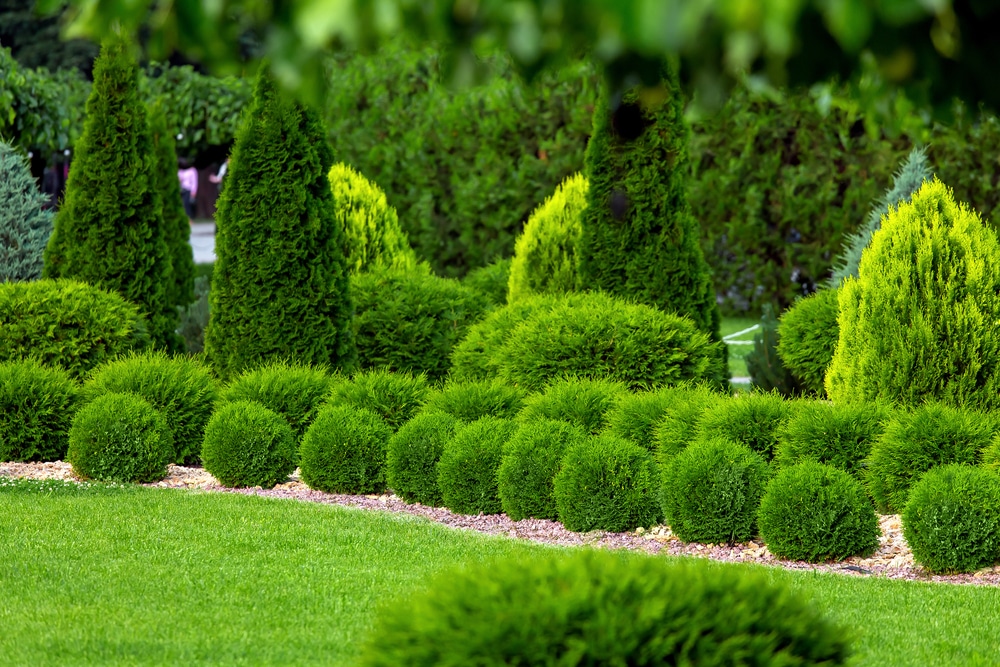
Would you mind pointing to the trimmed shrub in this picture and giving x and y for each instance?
(712, 490)
(807, 338)
(412, 456)
(531, 459)
(678, 427)
(914, 324)
(635, 416)
(545, 254)
(119, 438)
(754, 420)
(914, 442)
(840, 435)
(468, 401)
(991, 455)
(344, 451)
(467, 469)
(280, 287)
(247, 444)
(25, 226)
(36, 409)
(395, 397)
(182, 389)
(410, 321)
(66, 324)
(952, 519)
(597, 607)
(491, 281)
(606, 483)
(584, 403)
(815, 512)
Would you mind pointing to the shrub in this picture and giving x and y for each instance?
(767, 373)
(678, 427)
(584, 403)
(597, 607)
(467, 469)
(840, 435)
(180, 388)
(912, 325)
(807, 337)
(635, 416)
(67, 324)
(606, 483)
(712, 491)
(468, 401)
(914, 442)
(36, 409)
(194, 318)
(247, 444)
(991, 455)
(280, 287)
(395, 397)
(754, 420)
(344, 451)
(952, 519)
(410, 321)
(531, 459)
(545, 254)
(814, 512)
(412, 456)
(490, 281)
(25, 226)
(119, 438)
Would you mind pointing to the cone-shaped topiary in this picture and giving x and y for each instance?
(919, 321)
(807, 337)
(109, 231)
(280, 284)
(24, 226)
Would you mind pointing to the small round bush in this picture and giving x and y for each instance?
(597, 607)
(490, 281)
(807, 338)
(119, 438)
(914, 442)
(395, 397)
(712, 491)
(412, 456)
(952, 519)
(585, 403)
(678, 427)
(247, 444)
(467, 470)
(344, 451)
(531, 459)
(181, 388)
(36, 409)
(636, 416)
(468, 401)
(606, 483)
(840, 435)
(816, 512)
(754, 420)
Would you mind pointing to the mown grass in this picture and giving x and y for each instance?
(738, 353)
(154, 576)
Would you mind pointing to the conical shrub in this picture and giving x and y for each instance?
(24, 226)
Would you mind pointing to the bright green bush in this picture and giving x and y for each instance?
(678, 427)
(119, 438)
(24, 226)
(181, 388)
(67, 324)
(815, 512)
(467, 469)
(545, 254)
(952, 519)
(635, 416)
(597, 607)
(344, 451)
(584, 403)
(412, 456)
(410, 321)
(395, 397)
(491, 281)
(712, 490)
(917, 323)
(468, 401)
(754, 420)
(531, 459)
(807, 338)
(991, 455)
(246, 444)
(914, 442)
(840, 435)
(36, 409)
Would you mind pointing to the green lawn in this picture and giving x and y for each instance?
(157, 576)
(738, 353)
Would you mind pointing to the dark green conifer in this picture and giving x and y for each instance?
(24, 226)
(280, 284)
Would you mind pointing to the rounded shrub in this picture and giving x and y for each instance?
(412, 456)
(36, 409)
(344, 451)
(491, 281)
(119, 438)
(467, 469)
(914, 442)
(952, 519)
(585, 403)
(816, 512)
(635, 416)
(545, 254)
(678, 427)
(531, 459)
(246, 444)
(181, 388)
(468, 401)
(807, 338)
(606, 483)
(754, 420)
(840, 434)
(712, 490)
(395, 397)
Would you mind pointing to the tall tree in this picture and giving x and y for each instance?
(24, 226)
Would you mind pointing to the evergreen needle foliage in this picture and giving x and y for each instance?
(412, 456)
(807, 338)
(24, 227)
(531, 460)
(36, 409)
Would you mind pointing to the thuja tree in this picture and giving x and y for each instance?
(280, 283)
(109, 231)
(24, 226)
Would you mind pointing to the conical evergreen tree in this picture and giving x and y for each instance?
(24, 226)
(280, 285)
(109, 231)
